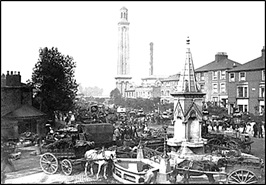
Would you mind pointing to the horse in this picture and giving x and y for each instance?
(200, 166)
(99, 157)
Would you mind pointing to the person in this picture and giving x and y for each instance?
(150, 175)
(260, 130)
(116, 134)
(255, 129)
(6, 150)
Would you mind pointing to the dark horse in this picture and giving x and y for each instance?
(202, 167)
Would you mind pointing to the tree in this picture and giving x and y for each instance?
(53, 81)
(116, 96)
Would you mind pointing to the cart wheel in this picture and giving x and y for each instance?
(49, 163)
(212, 144)
(67, 167)
(231, 145)
(242, 176)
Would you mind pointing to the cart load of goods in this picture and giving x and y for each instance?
(68, 147)
(28, 138)
(100, 133)
(242, 160)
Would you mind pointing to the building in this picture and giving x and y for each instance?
(123, 78)
(168, 86)
(17, 113)
(212, 79)
(246, 86)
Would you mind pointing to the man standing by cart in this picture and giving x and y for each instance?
(6, 149)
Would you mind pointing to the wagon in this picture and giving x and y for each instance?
(69, 152)
(244, 169)
(229, 140)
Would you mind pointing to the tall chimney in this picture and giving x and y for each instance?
(151, 59)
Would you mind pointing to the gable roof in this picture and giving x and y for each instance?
(25, 111)
(256, 64)
(196, 108)
(222, 64)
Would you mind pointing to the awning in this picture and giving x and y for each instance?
(25, 111)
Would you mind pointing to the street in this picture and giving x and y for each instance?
(29, 171)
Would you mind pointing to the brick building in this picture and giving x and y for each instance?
(17, 113)
(168, 86)
(246, 86)
(212, 78)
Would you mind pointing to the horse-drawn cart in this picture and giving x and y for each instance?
(229, 140)
(69, 151)
(226, 167)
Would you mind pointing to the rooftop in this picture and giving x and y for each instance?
(256, 64)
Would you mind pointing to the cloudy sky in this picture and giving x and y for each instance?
(88, 32)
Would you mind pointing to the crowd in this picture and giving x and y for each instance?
(255, 129)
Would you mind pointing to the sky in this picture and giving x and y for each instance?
(88, 31)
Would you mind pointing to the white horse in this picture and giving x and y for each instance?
(99, 157)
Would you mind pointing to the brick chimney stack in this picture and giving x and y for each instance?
(13, 79)
(220, 56)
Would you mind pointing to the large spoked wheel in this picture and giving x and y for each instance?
(242, 176)
(49, 163)
(212, 144)
(66, 167)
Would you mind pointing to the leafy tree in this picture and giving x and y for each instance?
(116, 96)
(53, 81)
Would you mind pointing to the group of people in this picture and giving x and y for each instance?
(258, 130)
(125, 131)
(250, 127)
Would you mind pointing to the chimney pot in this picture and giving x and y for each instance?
(18, 73)
(7, 73)
(11, 72)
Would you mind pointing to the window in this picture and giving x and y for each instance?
(242, 92)
(162, 93)
(215, 100)
(214, 88)
(214, 75)
(263, 75)
(201, 76)
(262, 91)
(231, 77)
(243, 108)
(223, 73)
(222, 88)
(242, 76)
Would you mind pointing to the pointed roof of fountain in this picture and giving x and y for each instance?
(187, 81)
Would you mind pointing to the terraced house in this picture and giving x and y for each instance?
(246, 86)
(212, 79)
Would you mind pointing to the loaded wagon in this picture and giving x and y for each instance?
(69, 151)
(229, 140)
(227, 166)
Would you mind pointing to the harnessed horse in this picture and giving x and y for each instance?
(200, 166)
(101, 158)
